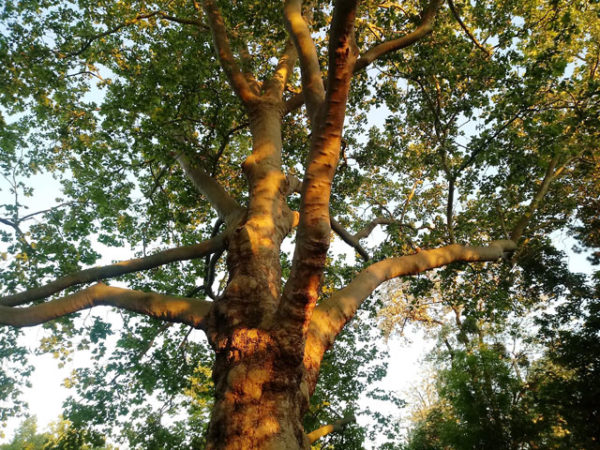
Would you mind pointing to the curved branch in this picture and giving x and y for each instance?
(353, 240)
(349, 239)
(221, 41)
(163, 307)
(114, 270)
(424, 28)
(330, 316)
(338, 425)
(466, 30)
(312, 80)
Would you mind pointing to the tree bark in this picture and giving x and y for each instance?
(259, 402)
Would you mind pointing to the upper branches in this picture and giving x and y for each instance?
(423, 29)
(312, 80)
(230, 66)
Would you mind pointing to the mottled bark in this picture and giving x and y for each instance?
(258, 366)
(259, 403)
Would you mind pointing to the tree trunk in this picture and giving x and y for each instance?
(259, 403)
(258, 371)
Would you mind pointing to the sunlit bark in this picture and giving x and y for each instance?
(227, 208)
(323, 431)
(332, 314)
(162, 307)
(302, 289)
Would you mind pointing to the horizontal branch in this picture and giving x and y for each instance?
(114, 270)
(163, 307)
(317, 434)
(330, 316)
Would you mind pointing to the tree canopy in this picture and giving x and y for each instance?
(225, 145)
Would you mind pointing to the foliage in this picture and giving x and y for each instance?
(62, 436)
(486, 129)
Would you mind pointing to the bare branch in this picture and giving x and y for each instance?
(551, 174)
(20, 235)
(368, 229)
(330, 316)
(302, 289)
(466, 30)
(162, 307)
(113, 270)
(353, 239)
(338, 425)
(227, 208)
(29, 216)
(312, 80)
(276, 85)
(221, 41)
(349, 239)
(424, 28)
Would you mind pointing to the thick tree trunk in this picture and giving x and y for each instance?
(258, 372)
(258, 400)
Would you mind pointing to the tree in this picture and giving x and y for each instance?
(62, 436)
(138, 107)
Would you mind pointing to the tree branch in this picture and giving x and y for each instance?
(313, 236)
(127, 23)
(353, 239)
(349, 239)
(276, 84)
(330, 316)
(466, 30)
(338, 425)
(312, 80)
(227, 208)
(224, 54)
(113, 270)
(551, 174)
(422, 30)
(162, 307)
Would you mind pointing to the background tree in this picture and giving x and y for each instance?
(488, 145)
